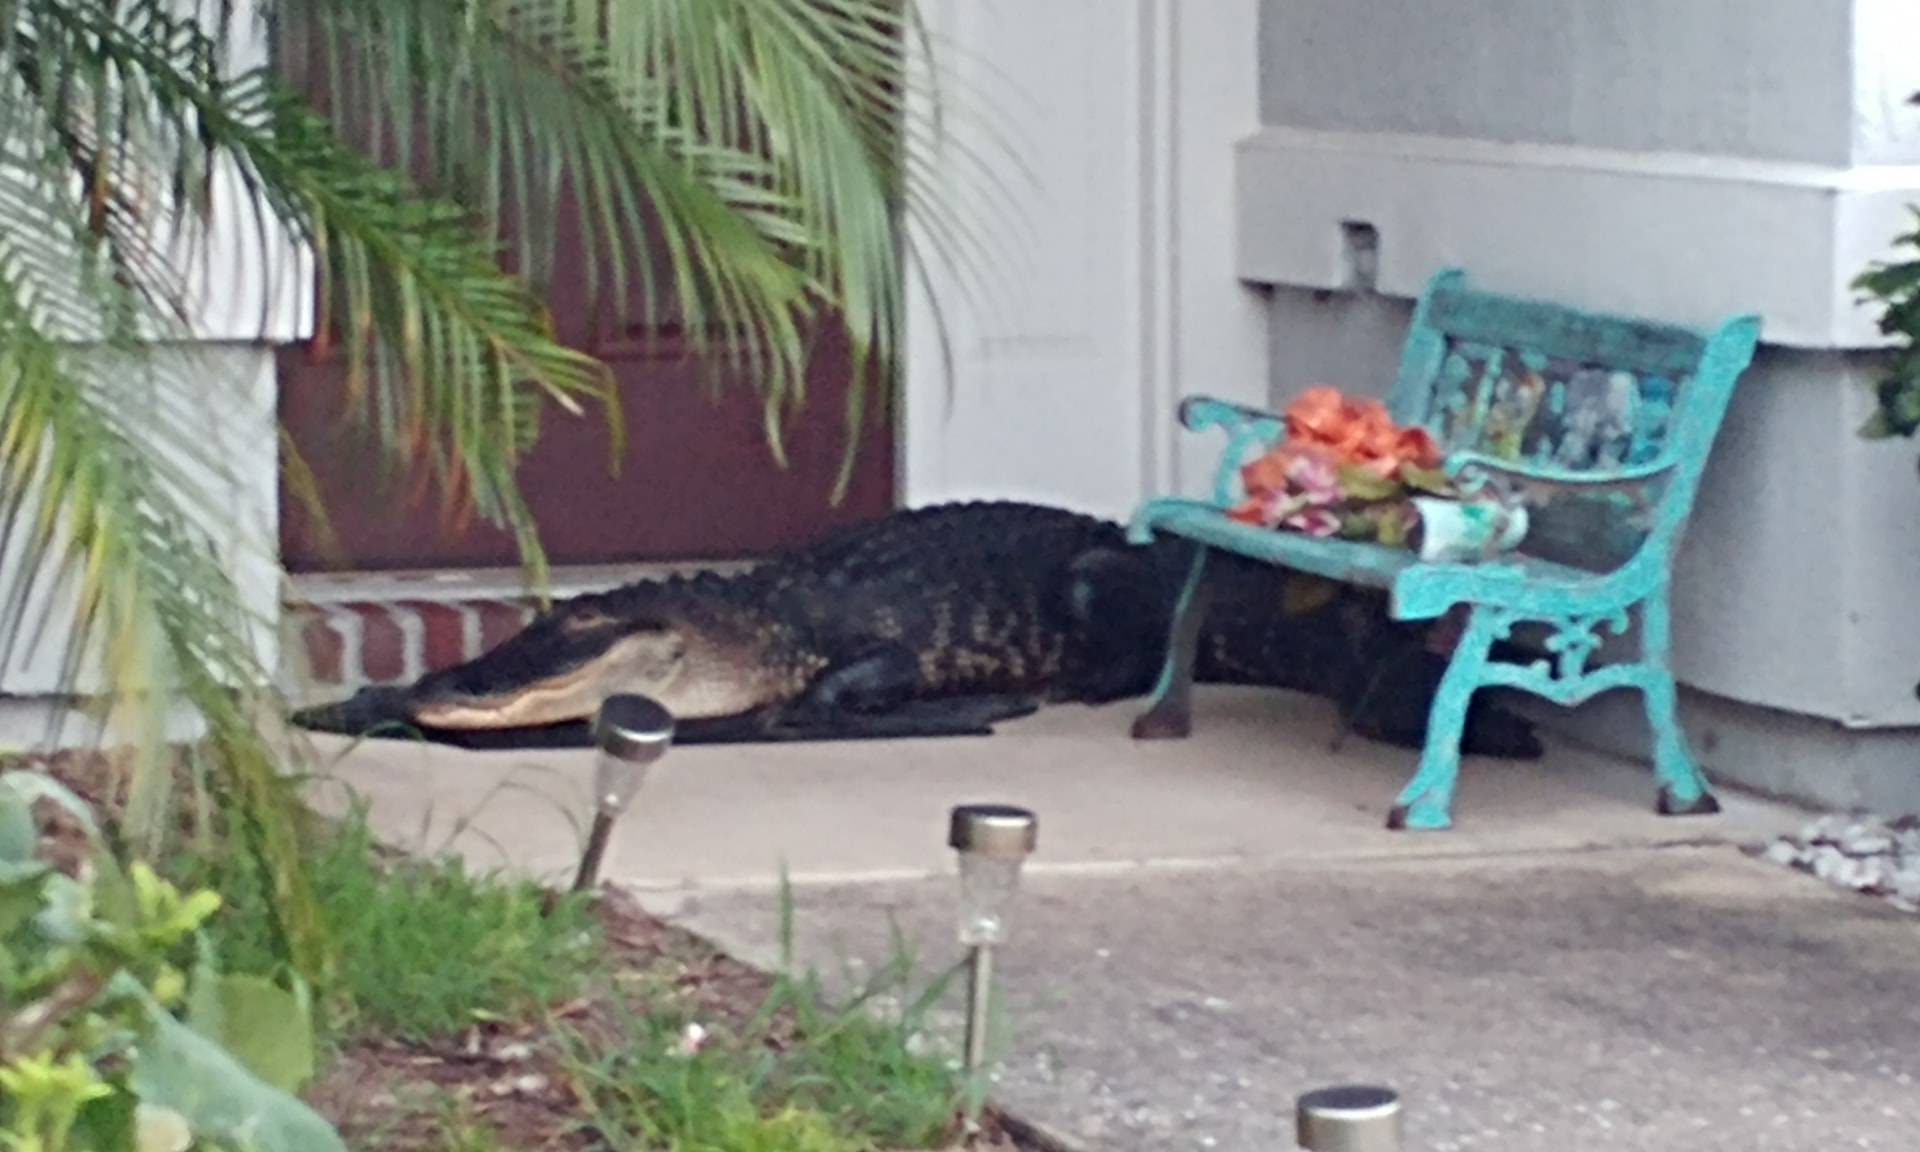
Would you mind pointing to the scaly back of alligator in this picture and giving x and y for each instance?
(977, 594)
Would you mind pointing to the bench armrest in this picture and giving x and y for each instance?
(1461, 467)
(1249, 431)
(1199, 413)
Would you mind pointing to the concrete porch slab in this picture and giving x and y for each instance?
(1257, 782)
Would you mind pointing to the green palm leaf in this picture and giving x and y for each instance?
(743, 166)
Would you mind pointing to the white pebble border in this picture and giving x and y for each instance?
(1871, 855)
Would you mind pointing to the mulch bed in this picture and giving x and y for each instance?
(389, 1095)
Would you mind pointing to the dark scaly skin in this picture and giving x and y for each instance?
(942, 621)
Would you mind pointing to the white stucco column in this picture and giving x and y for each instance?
(247, 290)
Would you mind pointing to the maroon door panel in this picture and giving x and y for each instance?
(697, 480)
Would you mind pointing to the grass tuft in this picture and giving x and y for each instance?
(802, 1069)
(426, 947)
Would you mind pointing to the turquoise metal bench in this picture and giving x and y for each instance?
(1608, 501)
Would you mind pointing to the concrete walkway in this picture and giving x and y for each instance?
(1214, 925)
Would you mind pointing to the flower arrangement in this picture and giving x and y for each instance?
(1343, 469)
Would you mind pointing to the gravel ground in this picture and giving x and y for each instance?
(1875, 856)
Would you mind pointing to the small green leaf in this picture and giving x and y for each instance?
(21, 895)
(107, 1122)
(113, 893)
(67, 915)
(223, 1103)
(1429, 480)
(266, 1028)
(19, 835)
(1365, 486)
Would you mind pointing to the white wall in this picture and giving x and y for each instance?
(229, 454)
(1108, 288)
(1886, 127)
(1758, 78)
(246, 290)
(1686, 160)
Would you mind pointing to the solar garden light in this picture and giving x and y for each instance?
(1349, 1118)
(631, 732)
(993, 841)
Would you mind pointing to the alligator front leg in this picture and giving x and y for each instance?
(876, 695)
(916, 720)
(1118, 625)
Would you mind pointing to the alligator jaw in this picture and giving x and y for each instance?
(643, 661)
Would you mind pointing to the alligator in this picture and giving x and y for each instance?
(938, 621)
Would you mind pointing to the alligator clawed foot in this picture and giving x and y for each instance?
(1163, 724)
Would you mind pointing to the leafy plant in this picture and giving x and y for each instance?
(92, 1054)
(1895, 286)
(745, 163)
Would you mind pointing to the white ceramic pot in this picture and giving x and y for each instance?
(1458, 531)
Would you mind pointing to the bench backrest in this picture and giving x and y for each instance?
(1549, 386)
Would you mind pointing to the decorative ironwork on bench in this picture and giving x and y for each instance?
(1596, 428)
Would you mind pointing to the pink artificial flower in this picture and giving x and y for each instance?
(1314, 522)
(1315, 478)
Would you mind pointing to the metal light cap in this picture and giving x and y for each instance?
(1350, 1118)
(1000, 831)
(633, 728)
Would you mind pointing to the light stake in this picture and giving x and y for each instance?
(993, 841)
(1350, 1118)
(631, 732)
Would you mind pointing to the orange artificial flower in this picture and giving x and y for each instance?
(1359, 433)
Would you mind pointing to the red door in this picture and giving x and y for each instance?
(697, 480)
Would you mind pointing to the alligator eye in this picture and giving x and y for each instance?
(575, 624)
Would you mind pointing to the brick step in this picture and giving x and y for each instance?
(341, 646)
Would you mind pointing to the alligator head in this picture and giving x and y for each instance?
(683, 643)
(559, 668)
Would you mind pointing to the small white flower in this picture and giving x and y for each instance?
(692, 1038)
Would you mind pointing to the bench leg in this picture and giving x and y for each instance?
(1170, 716)
(1426, 803)
(1684, 790)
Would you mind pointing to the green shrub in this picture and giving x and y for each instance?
(96, 970)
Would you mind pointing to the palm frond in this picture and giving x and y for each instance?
(745, 164)
(442, 345)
